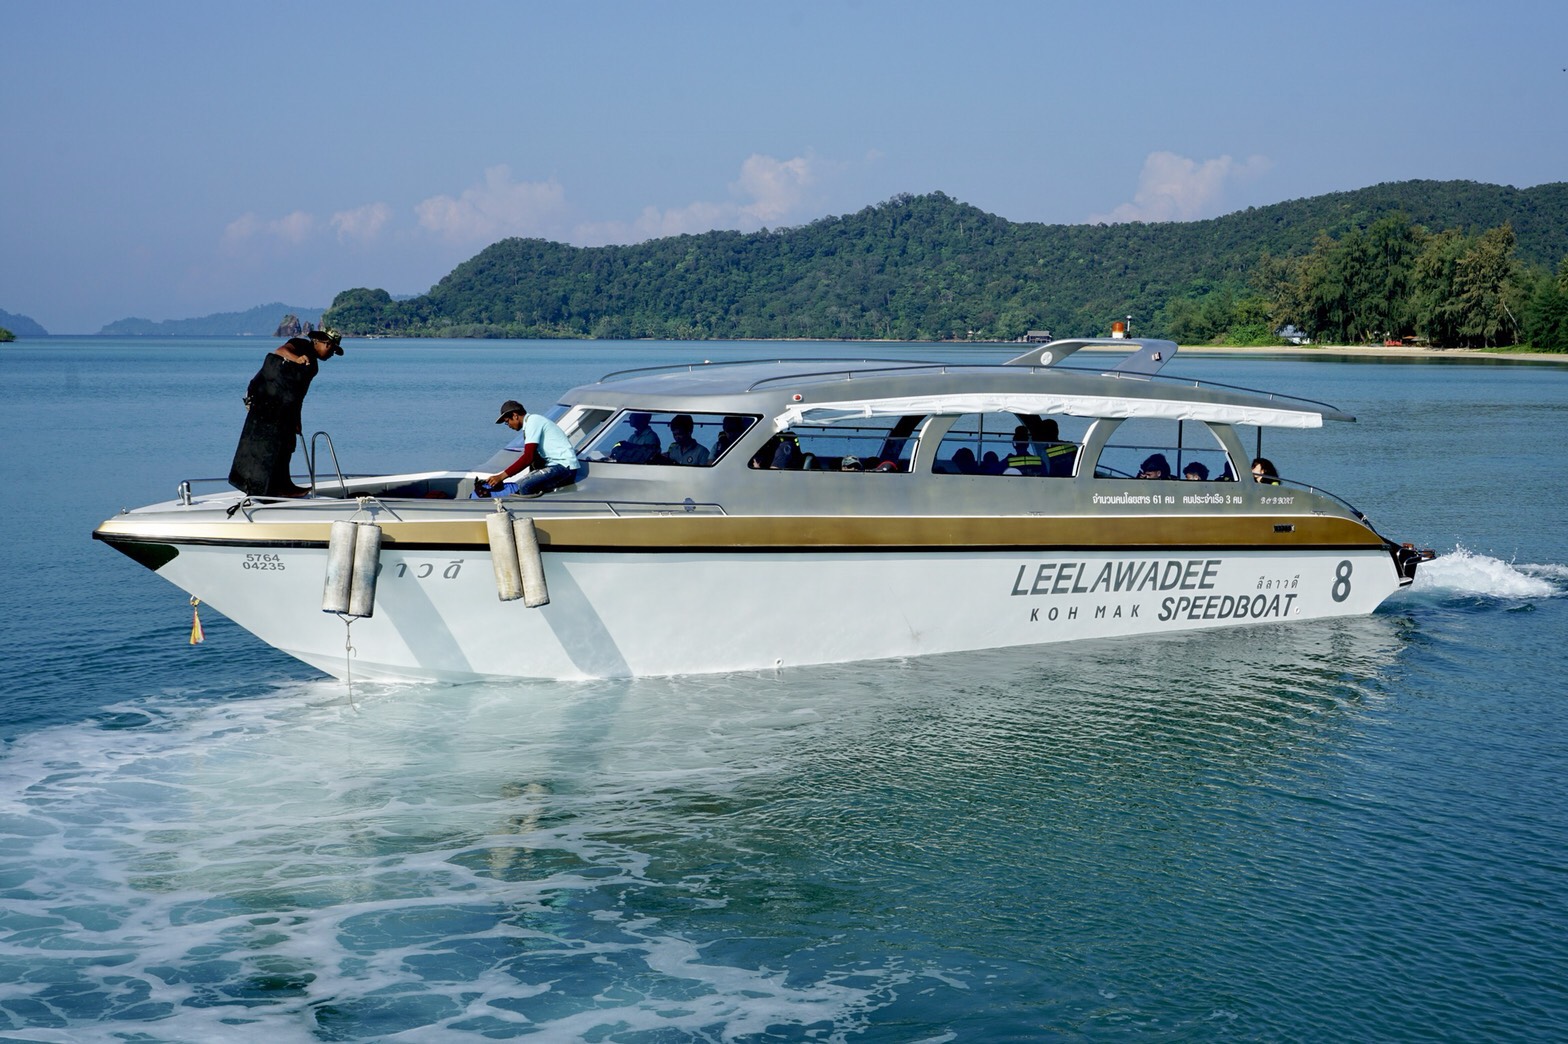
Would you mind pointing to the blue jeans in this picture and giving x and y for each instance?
(545, 479)
(542, 481)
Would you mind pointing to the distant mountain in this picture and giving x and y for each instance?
(21, 325)
(261, 321)
(918, 268)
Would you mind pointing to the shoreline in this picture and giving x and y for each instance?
(1367, 351)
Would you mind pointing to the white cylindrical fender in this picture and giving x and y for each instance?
(503, 555)
(340, 568)
(530, 565)
(367, 562)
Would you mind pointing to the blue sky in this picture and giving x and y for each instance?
(173, 159)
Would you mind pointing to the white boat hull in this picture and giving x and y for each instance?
(613, 614)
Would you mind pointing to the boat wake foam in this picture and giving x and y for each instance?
(1466, 573)
(493, 889)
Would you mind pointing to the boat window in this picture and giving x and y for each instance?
(859, 444)
(1145, 448)
(580, 423)
(992, 444)
(667, 437)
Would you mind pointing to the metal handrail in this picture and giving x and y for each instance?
(644, 371)
(905, 368)
(310, 461)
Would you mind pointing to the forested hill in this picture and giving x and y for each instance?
(261, 321)
(922, 268)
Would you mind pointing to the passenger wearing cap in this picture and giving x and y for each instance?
(274, 400)
(641, 446)
(683, 448)
(546, 450)
(734, 427)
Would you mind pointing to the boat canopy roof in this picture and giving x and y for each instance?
(1042, 405)
(825, 390)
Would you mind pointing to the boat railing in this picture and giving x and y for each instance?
(618, 508)
(645, 371)
(310, 461)
(197, 487)
(1193, 382)
(886, 368)
(1335, 497)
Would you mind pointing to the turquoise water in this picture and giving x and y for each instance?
(1342, 830)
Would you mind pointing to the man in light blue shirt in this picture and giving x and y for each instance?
(544, 443)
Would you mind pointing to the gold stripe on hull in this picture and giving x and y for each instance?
(790, 532)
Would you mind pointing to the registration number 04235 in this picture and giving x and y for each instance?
(265, 562)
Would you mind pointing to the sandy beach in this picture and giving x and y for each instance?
(1366, 351)
(1378, 351)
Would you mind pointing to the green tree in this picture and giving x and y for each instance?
(1389, 250)
(362, 311)
(6, 335)
(1546, 313)
(1436, 310)
(1357, 288)
(1327, 289)
(1484, 281)
(1278, 282)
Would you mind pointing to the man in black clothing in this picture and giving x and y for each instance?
(273, 401)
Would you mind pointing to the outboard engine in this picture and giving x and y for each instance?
(1406, 558)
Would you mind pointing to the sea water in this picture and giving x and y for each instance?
(1349, 829)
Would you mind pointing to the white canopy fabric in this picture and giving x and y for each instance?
(1042, 405)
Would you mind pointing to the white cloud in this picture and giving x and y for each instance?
(777, 187)
(769, 191)
(291, 229)
(693, 218)
(362, 223)
(494, 210)
(1175, 188)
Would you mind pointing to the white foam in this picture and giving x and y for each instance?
(485, 873)
(1464, 572)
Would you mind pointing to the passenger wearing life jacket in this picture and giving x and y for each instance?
(1023, 459)
(1059, 455)
(780, 453)
(1048, 455)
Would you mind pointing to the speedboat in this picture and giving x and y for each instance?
(845, 510)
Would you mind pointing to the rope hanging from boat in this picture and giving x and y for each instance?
(348, 654)
(197, 635)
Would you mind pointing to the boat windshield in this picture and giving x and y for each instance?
(580, 423)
